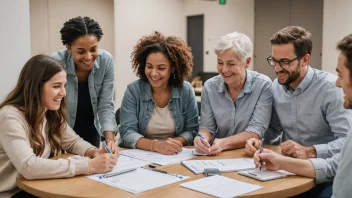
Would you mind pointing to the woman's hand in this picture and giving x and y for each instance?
(201, 145)
(102, 163)
(252, 146)
(270, 159)
(168, 147)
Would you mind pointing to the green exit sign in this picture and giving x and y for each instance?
(222, 2)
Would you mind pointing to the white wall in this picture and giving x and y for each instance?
(48, 17)
(336, 25)
(15, 42)
(134, 19)
(236, 15)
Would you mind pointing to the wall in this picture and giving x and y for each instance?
(336, 25)
(15, 41)
(235, 15)
(48, 17)
(134, 19)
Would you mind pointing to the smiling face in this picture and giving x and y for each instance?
(344, 80)
(158, 70)
(53, 91)
(232, 68)
(84, 51)
(290, 75)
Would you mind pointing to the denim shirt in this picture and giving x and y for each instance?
(138, 105)
(251, 112)
(312, 114)
(101, 89)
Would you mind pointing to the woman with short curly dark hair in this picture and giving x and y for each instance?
(159, 111)
(90, 81)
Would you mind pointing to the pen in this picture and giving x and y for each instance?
(106, 147)
(261, 151)
(199, 135)
(164, 172)
(119, 173)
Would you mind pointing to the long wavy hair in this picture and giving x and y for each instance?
(27, 97)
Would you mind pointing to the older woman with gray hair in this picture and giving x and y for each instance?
(236, 105)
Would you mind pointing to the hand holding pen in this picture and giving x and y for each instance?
(269, 159)
(201, 144)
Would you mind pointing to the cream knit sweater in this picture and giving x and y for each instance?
(18, 160)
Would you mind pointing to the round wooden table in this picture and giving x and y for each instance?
(81, 186)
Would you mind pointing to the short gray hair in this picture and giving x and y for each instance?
(237, 42)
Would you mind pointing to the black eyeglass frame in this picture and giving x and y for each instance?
(288, 62)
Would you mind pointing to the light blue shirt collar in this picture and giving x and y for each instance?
(305, 82)
(247, 88)
(148, 91)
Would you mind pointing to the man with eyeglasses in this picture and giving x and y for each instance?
(337, 168)
(307, 106)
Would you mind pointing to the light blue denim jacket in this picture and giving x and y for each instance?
(138, 105)
(101, 89)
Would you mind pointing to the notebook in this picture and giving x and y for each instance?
(140, 180)
(220, 186)
(264, 175)
(158, 158)
(227, 165)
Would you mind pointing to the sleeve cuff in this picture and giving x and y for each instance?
(108, 127)
(320, 170)
(81, 166)
(210, 131)
(255, 130)
(322, 151)
(188, 135)
(81, 147)
(131, 139)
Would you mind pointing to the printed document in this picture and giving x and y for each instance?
(158, 158)
(220, 186)
(226, 165)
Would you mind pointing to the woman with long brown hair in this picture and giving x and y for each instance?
(33, 128)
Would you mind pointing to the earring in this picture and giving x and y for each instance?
(174, 75)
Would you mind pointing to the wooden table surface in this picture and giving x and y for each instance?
(81, 186)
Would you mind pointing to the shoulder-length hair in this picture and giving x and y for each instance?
(27, 97)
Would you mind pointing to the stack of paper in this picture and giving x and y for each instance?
(227, 165)
(158, 158)
(220, 186)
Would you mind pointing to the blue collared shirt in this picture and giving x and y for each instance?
(251, 112)
(101, 90)
(312, 114)
(138, 105)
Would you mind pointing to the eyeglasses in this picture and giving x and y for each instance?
(285, 64)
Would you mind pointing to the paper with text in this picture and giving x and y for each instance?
(226, 165)
(220, 186)
(158, 158)
(141, 180)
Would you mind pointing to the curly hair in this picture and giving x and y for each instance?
(77, 27)
(173, 48)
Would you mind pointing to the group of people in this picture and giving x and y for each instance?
(64, 102)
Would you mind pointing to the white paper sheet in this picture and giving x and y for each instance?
(220, 186)
(227, 165)
(141, 180)
(158, 158)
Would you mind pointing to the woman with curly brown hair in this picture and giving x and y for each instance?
(159, 111)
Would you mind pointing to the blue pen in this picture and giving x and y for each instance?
(199, 135)
(106, 147)
(261, 151)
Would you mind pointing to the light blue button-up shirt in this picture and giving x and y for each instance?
(138, 105)
(101, 90)
(312, 114)
(251, 112)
